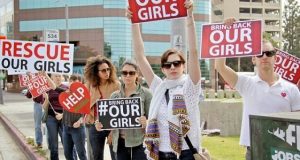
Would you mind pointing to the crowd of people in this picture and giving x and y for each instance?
(170, 113)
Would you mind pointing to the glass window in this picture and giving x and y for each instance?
(75, 23)
(115, 3)
(156, 48)
(157, 27)
(202, 7)
(35, 4)
(244, 10)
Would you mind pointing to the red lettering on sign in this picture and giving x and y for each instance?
(6, 48)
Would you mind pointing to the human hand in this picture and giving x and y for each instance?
(128, 13)
(188, 4)
(98, 125)
(58, 116)
(143, 121)
(109, 138)
(229, 21)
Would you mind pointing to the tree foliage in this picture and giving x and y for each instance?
(291, 21)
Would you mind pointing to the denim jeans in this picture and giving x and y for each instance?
(74, 136)
(130, 153)
(97, 140)
(184, 155)
(37, 117)
(54, 127)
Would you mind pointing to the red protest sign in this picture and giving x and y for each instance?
(238, 40)
(37, 86)
(287, 66)
(153, 10)
(77, 100)
(24, 79)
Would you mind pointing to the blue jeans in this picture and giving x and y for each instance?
(74, 136)
(37, 117)
(130, 153)
(97, 140)
(184, 155)
(54, 127)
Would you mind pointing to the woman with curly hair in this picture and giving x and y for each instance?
(101, 80)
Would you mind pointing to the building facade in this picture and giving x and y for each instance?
(94, 26)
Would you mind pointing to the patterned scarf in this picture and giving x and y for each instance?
(179, 124)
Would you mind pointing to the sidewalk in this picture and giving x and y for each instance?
(19, 113)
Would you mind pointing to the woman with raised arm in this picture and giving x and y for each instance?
(174, 112)
(101, 80)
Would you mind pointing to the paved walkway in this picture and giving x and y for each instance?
(19, 111)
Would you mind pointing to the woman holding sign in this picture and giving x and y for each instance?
(128, 143)
(174, 112)
(101, 78)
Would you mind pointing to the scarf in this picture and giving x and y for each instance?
(177, 118)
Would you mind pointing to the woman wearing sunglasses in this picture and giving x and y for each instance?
(264, 93)
(128, 143)
(101, 80)
(174, 112)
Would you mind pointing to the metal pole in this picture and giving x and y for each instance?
(178, 36)
(1, 92)
(67, 20)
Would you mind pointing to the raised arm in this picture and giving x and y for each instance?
(139, 52)
(229, 75)
(193, 66)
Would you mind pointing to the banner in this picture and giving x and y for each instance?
(27, 56)
(153, 10)
(119, 113)
(24, 79)
(241, 39)
(37, 86)
(287, 66)
(77, 99)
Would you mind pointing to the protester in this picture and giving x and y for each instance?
(101, 80)
(37, 117)
(174, 111)
(128, 143)
(266, 92)
(55, 110)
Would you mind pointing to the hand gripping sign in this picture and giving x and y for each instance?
(241, 39)
(26, 56)
(38, 85)
(119, 112)
(152, 10)
(287, 66)
(77, 100)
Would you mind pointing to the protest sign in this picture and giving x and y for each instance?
(37, 86)
(24, 78)
(77, 100)
(241, 39)
(119, 113)
(152, 10)
(287, 66)
(26, 56)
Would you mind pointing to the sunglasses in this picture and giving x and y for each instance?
(267, 53)
(104, 70)
(168, 65)
(125, 73)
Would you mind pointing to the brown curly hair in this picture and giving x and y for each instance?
(91, 70)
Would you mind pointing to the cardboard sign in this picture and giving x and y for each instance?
(37, 86)
(24, 78)
(119, 113)
(287, 66)
(153, 10)
(77, 100)
(241, 39)
(26, 56)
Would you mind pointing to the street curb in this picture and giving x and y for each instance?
(20, 139)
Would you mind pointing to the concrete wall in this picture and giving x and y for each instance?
(225, 115)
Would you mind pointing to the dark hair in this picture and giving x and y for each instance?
(91, 70)
(167, 53)
(75, 77)
(131, 63)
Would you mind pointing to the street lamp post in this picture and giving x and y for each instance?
(2, 76)
(67, 21)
